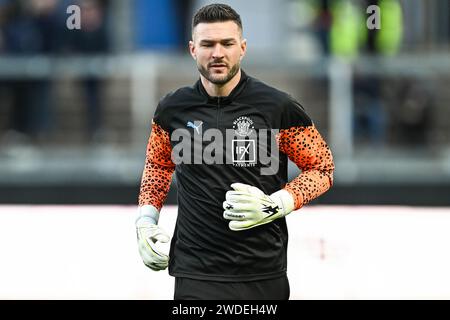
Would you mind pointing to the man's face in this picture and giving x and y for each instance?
(218, 49)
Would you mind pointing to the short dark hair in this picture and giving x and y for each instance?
(216, 12)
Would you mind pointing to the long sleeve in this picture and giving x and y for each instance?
(158, 170)
(307, 149)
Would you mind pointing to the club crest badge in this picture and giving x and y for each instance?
(243, 126)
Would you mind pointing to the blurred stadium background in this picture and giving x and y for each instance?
(76, 108)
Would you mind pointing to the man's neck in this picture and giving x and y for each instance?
(224, 90)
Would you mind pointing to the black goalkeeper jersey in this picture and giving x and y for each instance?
(212, 142)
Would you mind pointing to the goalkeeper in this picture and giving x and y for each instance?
(230, 238)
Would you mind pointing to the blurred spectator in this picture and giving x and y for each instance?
(412, 113)
(25, 29)
(91, 39)
(370, 114)
(389, 38)
(322, 25)
(184, 16)
(348, 28)
(370, 119)
(386, 40)
(342, 30)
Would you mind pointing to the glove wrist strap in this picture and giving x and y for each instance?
(284, 200)
(148, 213)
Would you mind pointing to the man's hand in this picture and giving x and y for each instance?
(148, 233)
(248, 206)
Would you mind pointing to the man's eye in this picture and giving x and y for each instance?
(228, 44)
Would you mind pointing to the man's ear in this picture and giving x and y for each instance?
(243, 48)
(192, 50)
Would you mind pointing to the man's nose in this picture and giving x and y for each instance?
(218, 51)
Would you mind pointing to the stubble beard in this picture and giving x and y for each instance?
(219, 79)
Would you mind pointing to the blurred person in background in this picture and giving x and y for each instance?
(412, 114)
(348, 28)
(183, 15)
(371, 116)
(322, 25)
(92, 39)
(237, 248)
(350, 33)
(350, 36)
(28, 28)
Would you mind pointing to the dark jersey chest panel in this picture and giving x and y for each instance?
(203, 247)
